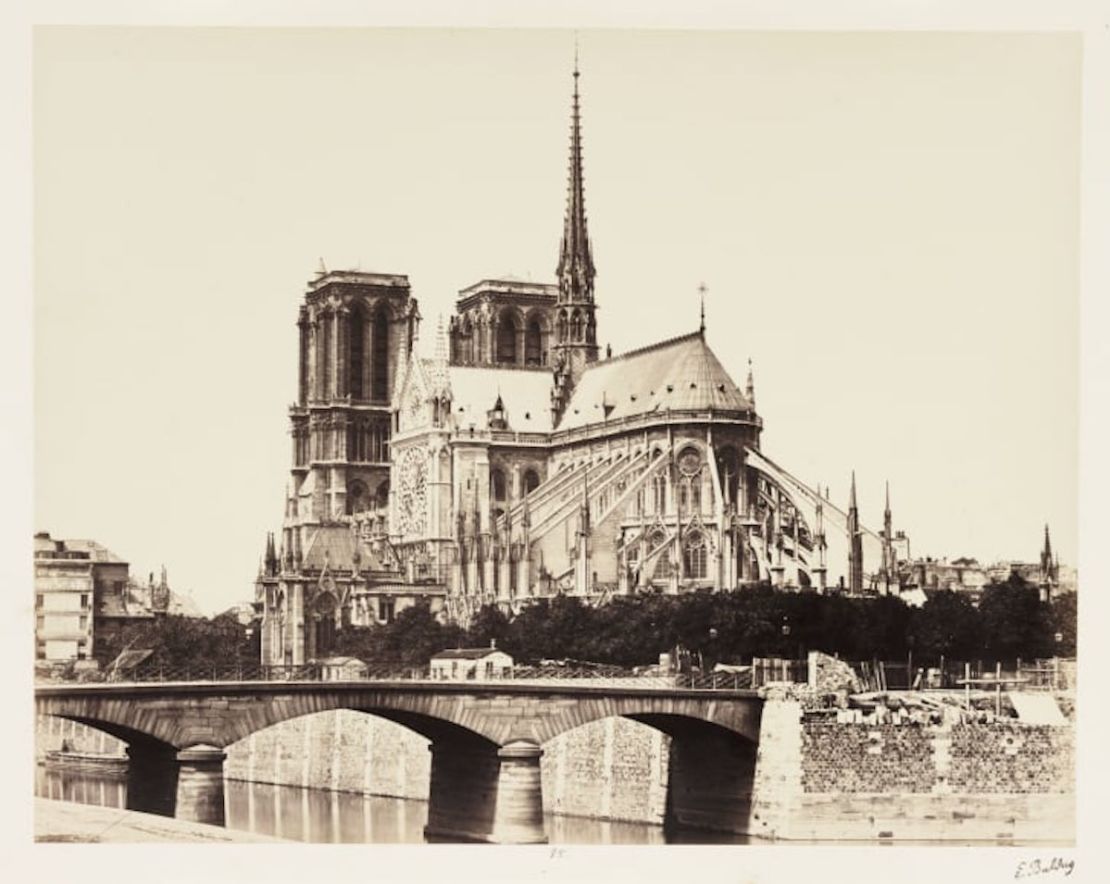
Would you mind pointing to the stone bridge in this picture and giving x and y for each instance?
(486, 741)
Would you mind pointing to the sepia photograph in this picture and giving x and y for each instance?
(556, 436)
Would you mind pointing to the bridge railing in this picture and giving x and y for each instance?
(610, 677)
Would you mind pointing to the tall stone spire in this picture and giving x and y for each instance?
(855, 541)
(890, 564)
(576, 265)
(575, 344)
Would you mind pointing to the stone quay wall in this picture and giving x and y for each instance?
(995, 781)
(51, 732)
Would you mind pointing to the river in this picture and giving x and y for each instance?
(323, 816)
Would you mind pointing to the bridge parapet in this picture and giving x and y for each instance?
(610, 677)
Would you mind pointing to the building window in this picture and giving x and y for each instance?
(40, 622)
(694, 558)
(659, 493)
(533, 344)
(357, 336)
(497, 484)
(379, 356)
(84, 600)
(386, 609)
(83, 622)
(38, 600)
(506, 338)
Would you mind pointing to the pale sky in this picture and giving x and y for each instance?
(887, 224)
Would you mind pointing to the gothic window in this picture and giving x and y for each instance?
(328, 362)
(659, 492)
(387, 608)
(357, 337)
(358, 500)
(466, 342)
(576, 325)
(694, 556)
(531, 481)
(497, 484)
(664, 568)
(506, 338)
(728, 465)
(379, 355)
(323, 611)
(533, 343)
(562, 327)
(381, 498)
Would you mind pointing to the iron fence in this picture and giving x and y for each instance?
(600, 676)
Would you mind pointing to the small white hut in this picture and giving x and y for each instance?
(471, 664)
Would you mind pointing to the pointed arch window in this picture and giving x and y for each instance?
(659, 493)
(465, 347)
(531, 481)
(506, 338)
(497, 484)
(533, 343)
(576, 325)
(356, 334)
(695, 556)
(323, 613)
(358, 500)
(379, 356)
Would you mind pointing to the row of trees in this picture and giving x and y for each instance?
(1010, 621)
(176, 640)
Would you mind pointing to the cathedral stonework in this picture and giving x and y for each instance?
(516, 463)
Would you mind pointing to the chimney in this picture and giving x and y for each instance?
(493, 644)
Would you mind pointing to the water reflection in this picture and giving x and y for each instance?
(320, 816)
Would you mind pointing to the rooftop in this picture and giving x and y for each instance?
(526, 396)
(510, 285)
(466, 653)
(680, 373)
(358, 277)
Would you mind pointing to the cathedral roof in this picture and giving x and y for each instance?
(526, 396)
(334, 545)
(679, 374)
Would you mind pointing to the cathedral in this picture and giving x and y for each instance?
(517, 462)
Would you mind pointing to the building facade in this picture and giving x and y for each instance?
(517, 462)
(83, 594)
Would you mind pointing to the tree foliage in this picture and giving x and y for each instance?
(1010, 621)
(177, 640)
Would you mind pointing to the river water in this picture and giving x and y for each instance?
(322, 816)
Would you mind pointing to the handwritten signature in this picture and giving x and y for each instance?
(1032, 867)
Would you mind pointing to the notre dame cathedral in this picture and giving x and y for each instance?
(518, 463)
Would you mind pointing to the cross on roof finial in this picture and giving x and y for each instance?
(701, 291)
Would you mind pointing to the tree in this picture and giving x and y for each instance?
(947, 625)
(1015, 621)
(1062, 615)
(178, 641)
(489, 625)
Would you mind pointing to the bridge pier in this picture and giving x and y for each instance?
(518, 818)
(200, 785)
(486, 793)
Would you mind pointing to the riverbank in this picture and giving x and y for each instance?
(67, 822)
